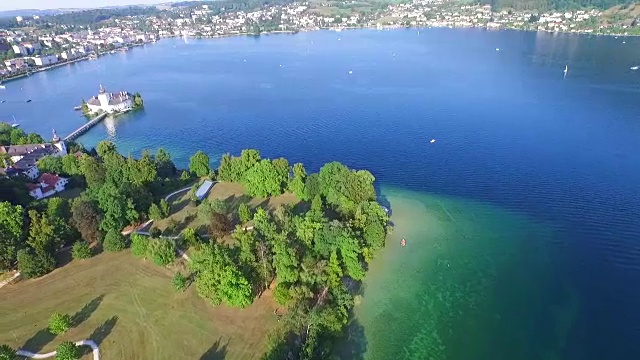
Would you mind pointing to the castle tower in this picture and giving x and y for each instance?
(57, 142)
(104, 97)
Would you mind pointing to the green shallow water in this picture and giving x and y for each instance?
(473, 282)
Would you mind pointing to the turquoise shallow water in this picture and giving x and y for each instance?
(473, 282)
(540, 172)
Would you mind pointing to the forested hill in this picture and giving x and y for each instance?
(547, 5)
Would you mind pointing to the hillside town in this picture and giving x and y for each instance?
(31, 48)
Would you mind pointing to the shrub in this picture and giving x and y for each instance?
(155, 213)
(59, 323)
(32, 264)
(139, 245)
(67, 351)
(81, 250)
(282, 294)
(7, 353)
(244, 213)
(191, 237)
(114, 241)
(179, 282)
(162, 251)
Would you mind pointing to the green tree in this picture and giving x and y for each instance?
(244, 213)
(142, 171)
(11, 233)
(209, 207)
(165, 209)
(311, 187)
(86, 218)
(117, 208)
(42, 235)
(137, 100)
(59, 323)
(93, 171)
(50, 164)
(139, 245)
(7, 353)
(71, 165)
(32, 264)
(263, 180)
(162, 251)
(281, 166)
(199, 164)
(179, 282)
(285, 260)
(67, 351)
(114, 241)
(185, 176)
(106, 147)
(191, 237)
(164, 165)
(218, 278)
(281, 294)
(296, 185)
(81, 250)
(155, 213)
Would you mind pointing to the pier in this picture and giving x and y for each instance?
(84, 128)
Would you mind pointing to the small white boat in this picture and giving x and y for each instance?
(350, 72)
(497, 49)
(634, 67)
(15, 125)
(566, 70)
(432, 141)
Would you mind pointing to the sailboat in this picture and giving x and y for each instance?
(566, 70)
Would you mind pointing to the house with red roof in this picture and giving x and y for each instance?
(47, 185)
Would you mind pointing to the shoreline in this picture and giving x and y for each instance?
(293, 32)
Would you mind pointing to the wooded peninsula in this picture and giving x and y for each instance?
(309, 255)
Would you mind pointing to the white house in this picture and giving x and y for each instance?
(47, 185)
(110, 102)
(45, 60)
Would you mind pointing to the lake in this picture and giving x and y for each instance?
(522, 220)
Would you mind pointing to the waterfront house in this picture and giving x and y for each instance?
(45, 60)
(47, 185)
(110, 102)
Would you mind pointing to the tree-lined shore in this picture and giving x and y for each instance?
(309, 258)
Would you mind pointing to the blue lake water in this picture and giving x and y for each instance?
(555, 158)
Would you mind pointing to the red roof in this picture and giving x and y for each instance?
(49, 179)
(32, 186)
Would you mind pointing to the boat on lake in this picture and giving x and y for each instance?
(634, 67)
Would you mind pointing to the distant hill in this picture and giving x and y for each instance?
(31, 12)
(545, 5)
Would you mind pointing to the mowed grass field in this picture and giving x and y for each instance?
(129, 307)
(185, 214)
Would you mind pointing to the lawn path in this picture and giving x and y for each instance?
(94, 347)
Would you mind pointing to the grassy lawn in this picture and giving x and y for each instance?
(185, 214)
(128, 306)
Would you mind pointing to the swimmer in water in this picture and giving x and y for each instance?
(403, 242)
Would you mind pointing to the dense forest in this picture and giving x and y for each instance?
(547, 5)
(311, 258)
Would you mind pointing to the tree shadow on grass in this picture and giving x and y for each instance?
(99, 334)
(217, 351)
(86, 311)
(38, 341)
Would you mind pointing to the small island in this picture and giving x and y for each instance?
(112, 103)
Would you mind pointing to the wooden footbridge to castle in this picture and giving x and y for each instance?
(84, 128)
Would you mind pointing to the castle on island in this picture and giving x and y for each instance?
(110, 102)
